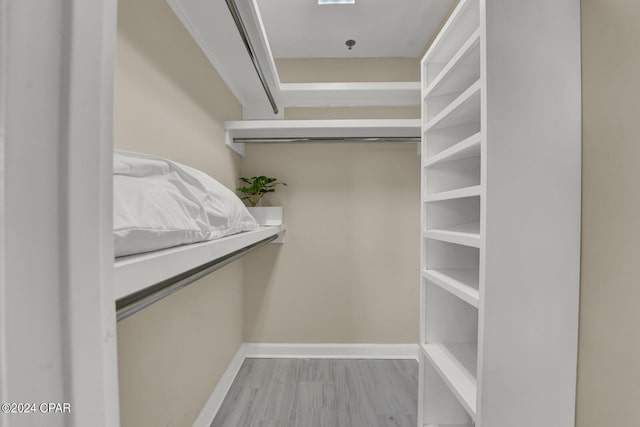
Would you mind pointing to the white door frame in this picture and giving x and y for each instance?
(57, 314)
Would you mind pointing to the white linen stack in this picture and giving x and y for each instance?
(159, 203)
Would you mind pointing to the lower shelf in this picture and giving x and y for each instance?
(463, 283)
(463, 234)
(457, 365)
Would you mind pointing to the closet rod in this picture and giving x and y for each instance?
(235, 13)
(135, 302)
(412, 139)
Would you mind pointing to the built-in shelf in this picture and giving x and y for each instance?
(457, 365)
(463, 234)
(463, 283)
(270, 130)
(473, 107)
(455, 194)
(466, 149)
(461, 71)
(452, 196)
(464, 109)
(134, 273)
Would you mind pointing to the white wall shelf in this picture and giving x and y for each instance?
(366, 128)
(468, 148)
(137, 272)
(465, 108)
(463, 283)
(455, 194)
(463, 234)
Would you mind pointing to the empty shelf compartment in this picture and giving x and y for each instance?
(463, 283)
(461, 71)
(457, 365)
(453, 175)
(468, 148)
(465, 108)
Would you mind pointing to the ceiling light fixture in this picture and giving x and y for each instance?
(336, 1)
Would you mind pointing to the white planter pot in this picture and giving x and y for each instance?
(269, 216)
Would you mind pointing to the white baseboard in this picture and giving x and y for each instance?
(212, 406)
(332, 351)
(297, 351)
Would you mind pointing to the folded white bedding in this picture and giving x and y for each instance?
(159, 203)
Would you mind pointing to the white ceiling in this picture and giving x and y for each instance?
(381, 28)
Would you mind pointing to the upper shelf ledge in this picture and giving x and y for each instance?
(270, 130)
(353, 94)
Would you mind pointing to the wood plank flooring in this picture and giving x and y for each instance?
(322, 393)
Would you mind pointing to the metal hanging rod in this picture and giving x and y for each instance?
(135, 302)
(235, 13)
(409, 139)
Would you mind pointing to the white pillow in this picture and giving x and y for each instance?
(158, 203)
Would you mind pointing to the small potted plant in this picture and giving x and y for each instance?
(253, 191)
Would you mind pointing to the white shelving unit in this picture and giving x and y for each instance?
(500, 217)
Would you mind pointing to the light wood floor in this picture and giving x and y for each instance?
(322, 393)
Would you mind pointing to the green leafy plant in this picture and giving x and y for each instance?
(257, 187)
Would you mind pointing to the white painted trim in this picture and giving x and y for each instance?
(3, 284)
(57, 254)
(332, 351)
(86, 174)
(210, 409)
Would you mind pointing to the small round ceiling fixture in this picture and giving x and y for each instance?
(350, 43)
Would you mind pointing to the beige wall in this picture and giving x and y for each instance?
(348, 271)
(310, 113)
(171, 102)
(609, 358)
(343, 275)
(348, 70)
